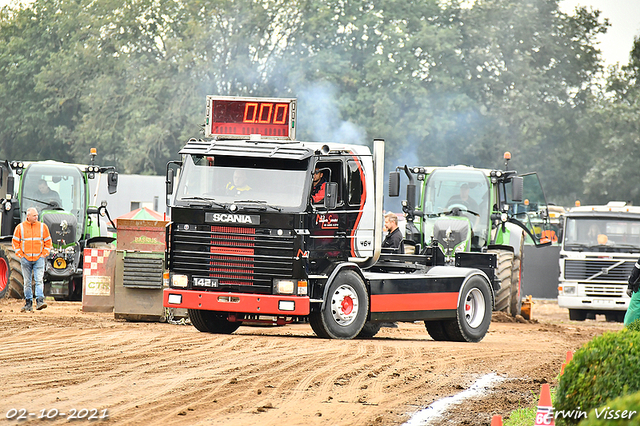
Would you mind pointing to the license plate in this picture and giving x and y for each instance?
(604, 301)
(205, 282)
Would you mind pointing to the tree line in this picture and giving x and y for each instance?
(442, 81)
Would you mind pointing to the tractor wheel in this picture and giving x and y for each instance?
(473, 315)
(15, 287)
(515, 302)
(504, 273)
(212, 322)
(369, 330)
(345, 310)
(436, 330)
(5, 274)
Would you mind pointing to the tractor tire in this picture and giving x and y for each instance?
(369, 330)
(515, 301)
(504, 272)
(15, 286)
(473, 315)
(212, 322)
(5, 274)
(345, 311)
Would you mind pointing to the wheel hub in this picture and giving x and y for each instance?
(344, 305)
(474, 308)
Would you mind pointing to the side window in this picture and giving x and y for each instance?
(329, 172)
(354, 183)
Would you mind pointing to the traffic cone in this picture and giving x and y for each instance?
(564, 364)
(544, 416)
(496, 420)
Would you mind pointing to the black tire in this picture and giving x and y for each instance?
(515, 301)
(436, 330)
(345, 310)
(473, 315)
(369, 330)
(15, 287)
(577, 314)
(5, 274)
(212, 322)
(504, 272)
(614, 316)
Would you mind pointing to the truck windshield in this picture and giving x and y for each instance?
(221, 180)
(602, 234)
(55, 187)
(466, 190)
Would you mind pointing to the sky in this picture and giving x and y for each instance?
(615, 45)
(624, 17)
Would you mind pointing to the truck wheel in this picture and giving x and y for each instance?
(436, 330)
(369, 330)
(5, 274)
(614, 316)
(345, 310)
(577, 314)
(473, 315)
(504, 273)
(212, 322)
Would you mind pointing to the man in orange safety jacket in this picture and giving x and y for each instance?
(32, 243)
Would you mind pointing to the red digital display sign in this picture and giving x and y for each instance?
(271, 118)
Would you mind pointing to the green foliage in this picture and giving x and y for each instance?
(621, 411)
(634, 326)
(606, 367)
(442, 83)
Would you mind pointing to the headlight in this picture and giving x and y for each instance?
(179, 281)
(283, 286)
(569, 289)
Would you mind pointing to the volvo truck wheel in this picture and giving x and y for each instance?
(473, 315)
(504, 273)
(212, 322)
(577, 314)
(345, 308)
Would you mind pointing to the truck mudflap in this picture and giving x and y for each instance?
(248, 303)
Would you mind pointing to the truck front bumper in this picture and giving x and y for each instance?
(593, 304)
(248, 303)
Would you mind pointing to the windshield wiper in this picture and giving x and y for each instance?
(262, 203)
(210, 201)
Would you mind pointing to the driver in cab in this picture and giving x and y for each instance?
(464, 199)
(48, 195)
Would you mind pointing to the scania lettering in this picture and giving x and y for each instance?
(273, 255)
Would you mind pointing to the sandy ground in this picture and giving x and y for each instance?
(141, 373)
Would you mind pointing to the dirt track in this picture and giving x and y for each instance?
(151, 373)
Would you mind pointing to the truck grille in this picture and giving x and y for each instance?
(604, 291)
(598, 270)
(236, 256)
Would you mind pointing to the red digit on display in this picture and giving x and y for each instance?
(250, 112)
(280, 114)
(265, 113)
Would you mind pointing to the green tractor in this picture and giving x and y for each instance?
(463, 209)
(60, 192)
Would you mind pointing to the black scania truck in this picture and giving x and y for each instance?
(248, 242)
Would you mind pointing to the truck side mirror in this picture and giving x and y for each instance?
(169, 181)
(112, 182)
(394, 184)
(517, 189)
(331, 195)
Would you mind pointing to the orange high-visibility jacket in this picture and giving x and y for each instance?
(31, 241)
